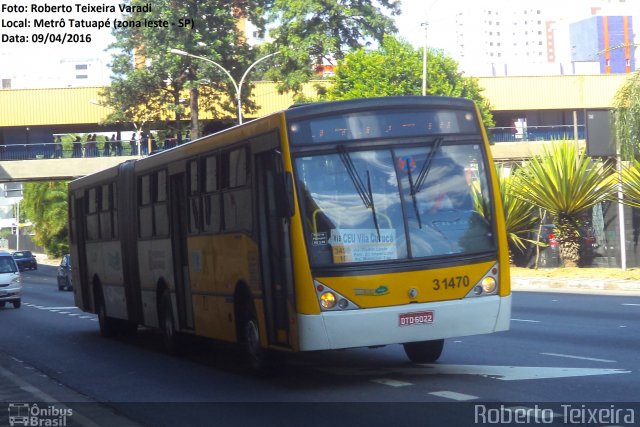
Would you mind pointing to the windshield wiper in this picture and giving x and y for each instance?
(422, 176)
(365, 193)
(373, 206)
(414, 199)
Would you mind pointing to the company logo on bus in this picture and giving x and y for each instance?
(379, 291)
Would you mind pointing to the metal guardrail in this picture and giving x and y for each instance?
(534, 133)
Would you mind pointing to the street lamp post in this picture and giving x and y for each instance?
(424, 61)
(236, 86)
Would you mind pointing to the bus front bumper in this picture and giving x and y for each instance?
(381, 326)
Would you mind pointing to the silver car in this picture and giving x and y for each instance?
(10, 287)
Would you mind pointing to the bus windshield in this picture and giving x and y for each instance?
(395, 204)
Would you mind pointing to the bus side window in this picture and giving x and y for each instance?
(160, 212)
(93, 224)
(194, 206)
(211, 200)
(145, 209)
(237, 194)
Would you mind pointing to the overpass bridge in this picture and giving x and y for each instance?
(30, 118)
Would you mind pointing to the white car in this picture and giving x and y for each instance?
(10, 287)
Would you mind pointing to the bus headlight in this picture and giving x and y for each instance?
(328, 300)
(488, 284)
(331, 300)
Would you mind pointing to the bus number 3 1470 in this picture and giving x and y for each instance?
(450, 283)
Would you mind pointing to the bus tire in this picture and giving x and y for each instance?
(260, 360)
(108, 325)
(424, 351)
(170, 336)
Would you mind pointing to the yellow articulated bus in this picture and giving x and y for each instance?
(325, 226)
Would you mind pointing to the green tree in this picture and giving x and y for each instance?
(45, 204)
(313, 32)
(627, 116)
(565, 183)
(149, 82)
(395, 68)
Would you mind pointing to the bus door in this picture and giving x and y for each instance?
(275, 253)
(178, 202)
(81, 240)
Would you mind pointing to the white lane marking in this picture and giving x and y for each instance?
(62, 312)
(58, 308)
(504, 373)
(73, 314)
(569, 356)
(390, 382)
(525, 320)
(85, 317)
(461, 397)
(633, 305)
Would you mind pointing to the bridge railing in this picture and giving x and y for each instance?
(534, 133)
(73, 150)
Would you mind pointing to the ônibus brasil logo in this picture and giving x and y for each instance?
(33, 414)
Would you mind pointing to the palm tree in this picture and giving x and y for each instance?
(565, 183)
(631, 184)
(520, 215)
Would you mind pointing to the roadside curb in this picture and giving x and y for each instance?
(574, 285)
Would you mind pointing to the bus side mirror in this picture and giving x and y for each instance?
(284, 195)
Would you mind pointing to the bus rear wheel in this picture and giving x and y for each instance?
(170, 337)
(424, 351)
(108, 325)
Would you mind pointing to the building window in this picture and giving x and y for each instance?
(6, 83)
(82, 76)
(81, 66)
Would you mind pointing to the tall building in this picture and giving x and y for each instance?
(607, 40)
(503, 37)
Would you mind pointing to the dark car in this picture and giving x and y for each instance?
(25, 260)
(64, 274)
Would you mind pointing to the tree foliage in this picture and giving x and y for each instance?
(395, 68)
(627, 116)
(45, 204)
(565, 183)
(313, 32)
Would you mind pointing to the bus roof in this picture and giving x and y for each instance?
(333, 107)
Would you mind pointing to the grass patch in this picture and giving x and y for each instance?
(578, 273)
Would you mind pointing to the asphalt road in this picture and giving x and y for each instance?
(562, 349)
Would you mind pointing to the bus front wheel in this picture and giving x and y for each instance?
(260, 359)
(424, 351)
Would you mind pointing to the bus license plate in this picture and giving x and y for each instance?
(419, 318)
